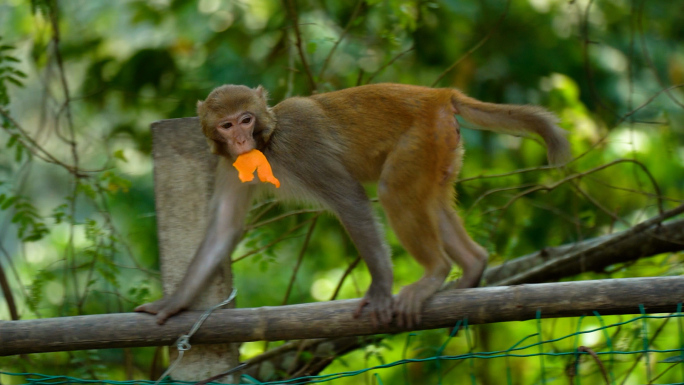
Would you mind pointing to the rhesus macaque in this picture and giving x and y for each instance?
(323, 147)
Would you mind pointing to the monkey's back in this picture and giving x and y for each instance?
(364, 124)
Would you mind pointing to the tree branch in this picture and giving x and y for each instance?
(645, 239)
(334, 318)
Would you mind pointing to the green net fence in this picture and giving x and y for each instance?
(645, 349)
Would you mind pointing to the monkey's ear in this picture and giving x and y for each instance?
(213, 147)
(199, 106)
(261, 91)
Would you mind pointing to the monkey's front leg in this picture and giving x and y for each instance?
(218, 242)
(355, 212)
(228, 209)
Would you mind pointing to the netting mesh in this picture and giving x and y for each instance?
(653, 355)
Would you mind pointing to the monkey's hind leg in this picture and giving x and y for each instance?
(461, 249)
(409, 195)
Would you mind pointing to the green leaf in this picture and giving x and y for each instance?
(119, 154)
(8, 203)
(21, 74)
(672, 360)
(18, 154)
(13, 139)
(34, 237)
(15, 81)
(87, 190)
(311, 47)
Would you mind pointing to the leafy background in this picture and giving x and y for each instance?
(80, 82)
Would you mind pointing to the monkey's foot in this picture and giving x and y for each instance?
(163, 308)
(409, 303)
(379, 304)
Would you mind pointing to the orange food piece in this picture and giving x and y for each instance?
(251, 161)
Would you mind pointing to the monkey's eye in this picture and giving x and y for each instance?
(227, 125)
(247, 120)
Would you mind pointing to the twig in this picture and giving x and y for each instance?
(38, 151)
(289, 4)
(596, 358)
(348, 271)
(268, 207)
(9, 297)
(569, 178)
(641, 355)
(584, 25)
(647, 55)
(305, 245)
(494, 191)
(511, 173)
(282, 216)
(598, 204)
(300, 257)
(647, 102)
(634, 191)
(476, 46)
(270, 244)
(540, 269)
(389, 63)
(339, 40)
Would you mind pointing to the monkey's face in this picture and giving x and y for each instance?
(235, 134)
(236, 119)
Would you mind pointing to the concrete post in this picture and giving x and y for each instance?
(183, 178)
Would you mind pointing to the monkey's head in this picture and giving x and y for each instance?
(236, 119)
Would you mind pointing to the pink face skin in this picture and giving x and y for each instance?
(236, 131)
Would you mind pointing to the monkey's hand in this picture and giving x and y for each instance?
(378, 302)
(163, 308)
(253, 160)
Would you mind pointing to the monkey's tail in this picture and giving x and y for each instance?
(516, 120)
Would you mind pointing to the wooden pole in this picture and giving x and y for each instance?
(334, 319)
(184, 171)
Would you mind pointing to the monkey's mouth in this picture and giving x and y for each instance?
(242, 149)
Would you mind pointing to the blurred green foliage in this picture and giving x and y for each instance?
(77, 222)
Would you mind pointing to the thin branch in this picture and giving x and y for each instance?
(267, 208)
(554, 185)
(354, 14)
(389, 63)
(598, 204)
(38, 151)
(647, 102)
(300, 257)
(290, 6)
(9, 297)
(634, 191)
(70, 250)
(494, 191)
(476, 46)
(272, 243)
(641, 355)
(282, 216)
(511, 173)
(647, 56)
(596, 358)
(346, 273)
(584, 25)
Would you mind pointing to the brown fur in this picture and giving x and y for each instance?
(404, 137)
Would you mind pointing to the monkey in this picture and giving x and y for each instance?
(324, 147)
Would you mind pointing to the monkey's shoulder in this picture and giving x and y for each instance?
(299, 112)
